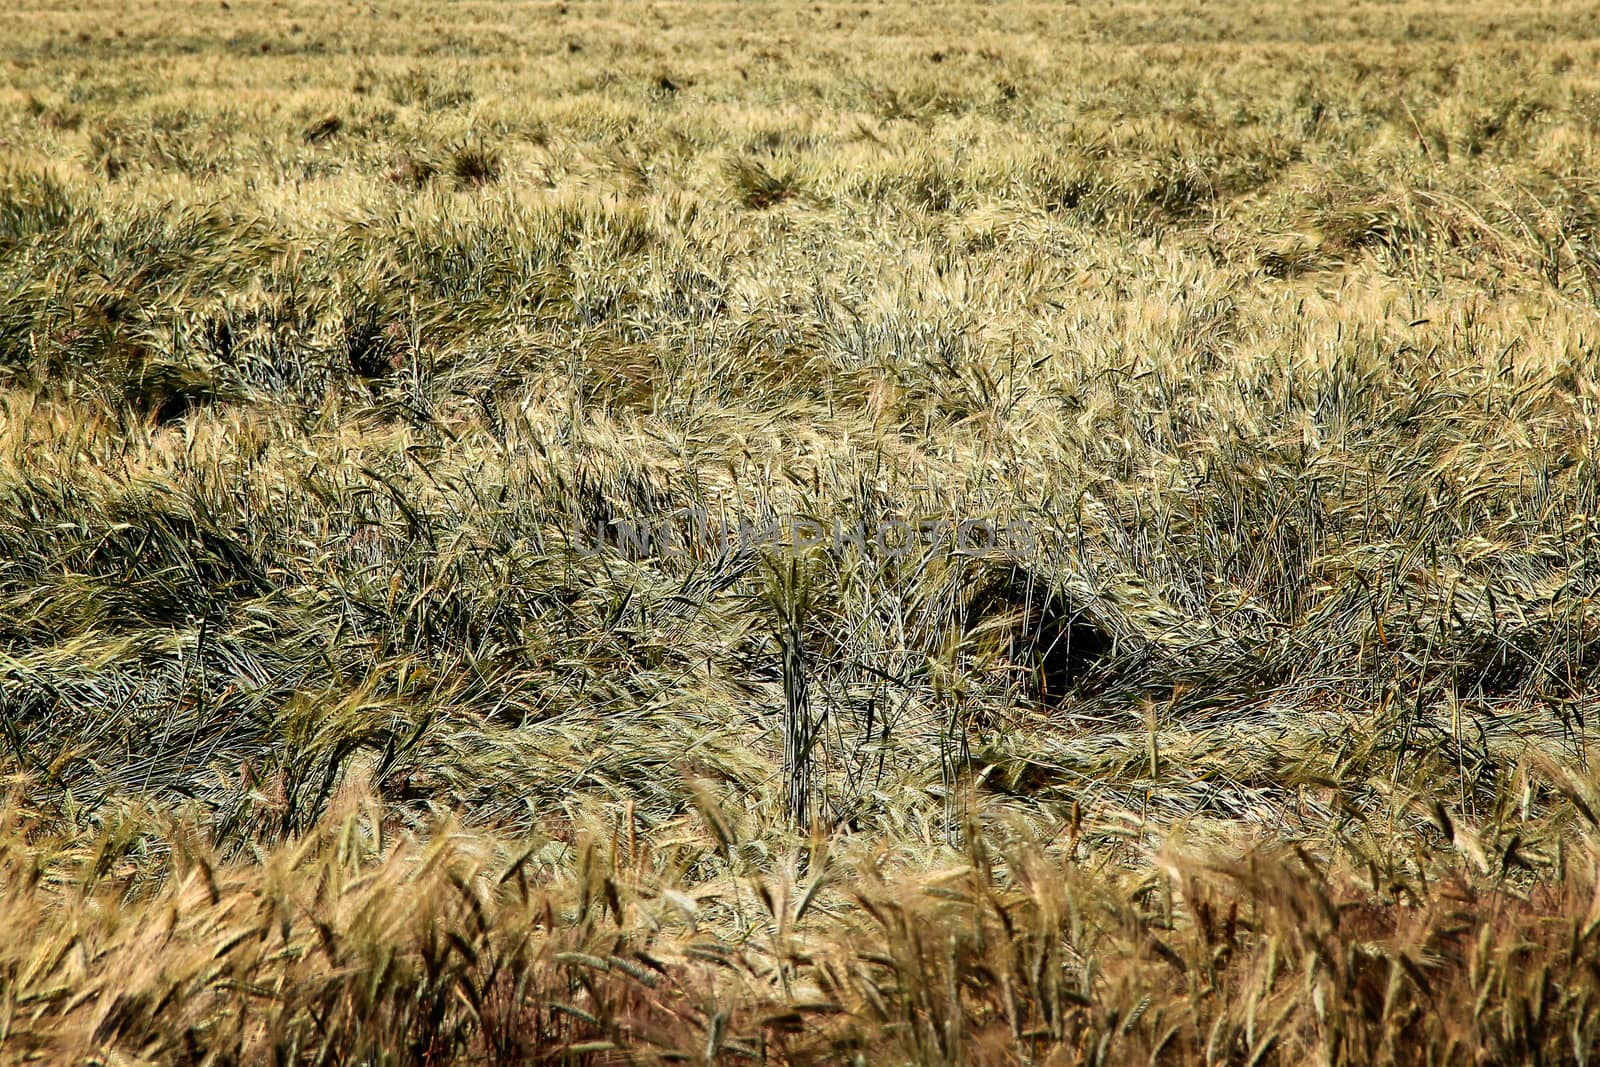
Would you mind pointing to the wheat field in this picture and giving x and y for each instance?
(501, 512)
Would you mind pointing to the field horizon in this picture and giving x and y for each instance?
(799, 533)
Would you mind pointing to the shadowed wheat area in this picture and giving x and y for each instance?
(472, 586)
